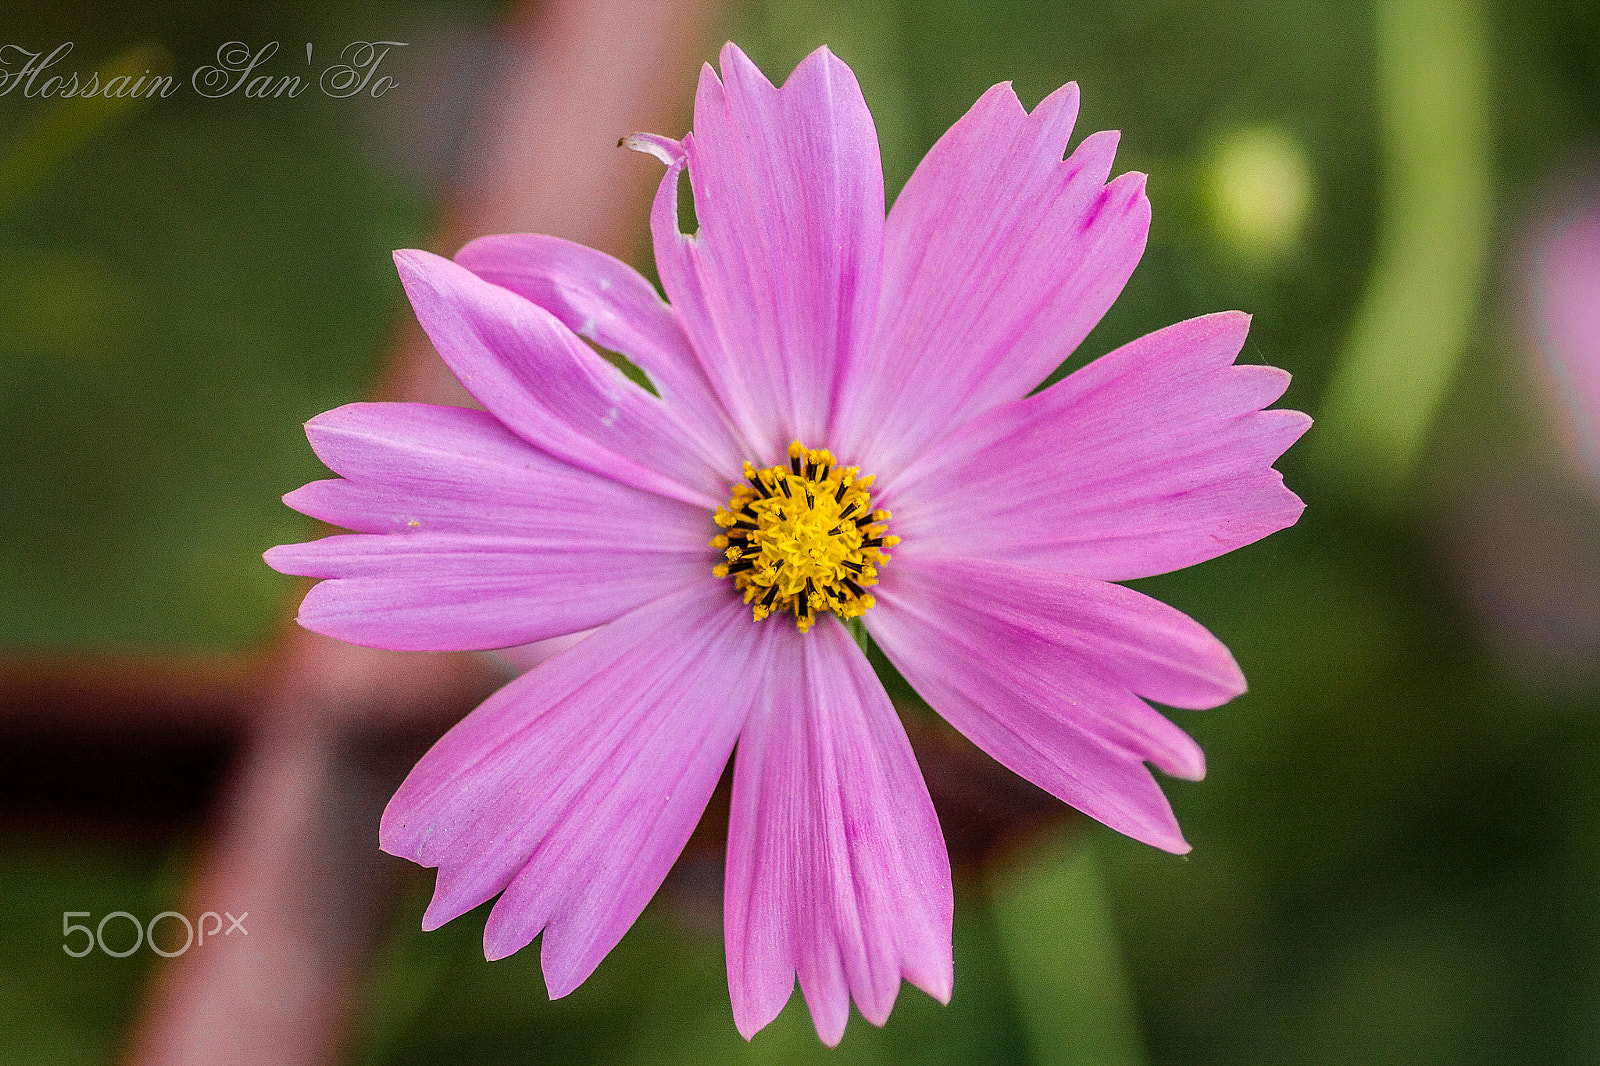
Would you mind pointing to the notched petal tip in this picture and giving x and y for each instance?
(282, 557)
(1003, 92)
(1069, 91)
(412, 258)
(1186, 762)
(1134, 184)
(826, 58)
(563, 971)
(1103, 142)
(1229, 680)
(416, 268)
(391, 824)
(1057, 113)
(757, 1003)
(1297, 418)
(830, 1029)
(736, 64)
(939, 988)
(494, 952)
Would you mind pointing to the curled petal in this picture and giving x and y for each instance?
(550, 388)
(667, 150)
(610, 303)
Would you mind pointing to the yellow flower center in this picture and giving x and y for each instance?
(803, 538)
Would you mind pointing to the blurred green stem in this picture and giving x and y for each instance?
(858, 631)
(1064, 960)
(1433, 90)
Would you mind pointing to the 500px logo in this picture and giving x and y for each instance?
(145, 934)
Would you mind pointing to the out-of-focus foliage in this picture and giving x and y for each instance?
(180, 293)
(1422, 293)
(1397, 847)
(1259, 192)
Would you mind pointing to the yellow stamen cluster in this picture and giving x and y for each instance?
(803, 538)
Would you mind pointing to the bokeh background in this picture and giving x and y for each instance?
(1397, 848)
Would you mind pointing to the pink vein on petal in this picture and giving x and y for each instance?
(837, 870)
(573, 789)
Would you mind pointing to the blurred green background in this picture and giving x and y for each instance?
(1397, 846)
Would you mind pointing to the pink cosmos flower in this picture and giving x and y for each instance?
(829, 384)
(1565, 283)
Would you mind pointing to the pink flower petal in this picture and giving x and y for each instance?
(455, 592)
(779, 289)
(998, 259)
(1565, 280)
(483, 540)
(1153, 458)
(553, 390)
(568, 524)
(574, 788)
(1042, 670)
(524, 657)
(667, 150)
(836, 865)
(611, 304)
(412, 467)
